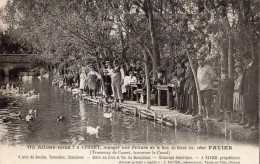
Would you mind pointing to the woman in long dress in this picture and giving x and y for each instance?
(189, 103)
(238, 98)
(224, 96)
(92, 81)
(82, 80)
(180, 71)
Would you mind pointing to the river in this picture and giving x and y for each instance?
(53, 102)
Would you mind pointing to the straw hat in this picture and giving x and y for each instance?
(91, 66)
(238, 64)
(105, 71)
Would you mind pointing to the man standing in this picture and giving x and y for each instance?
(250, 92)
(206, 76)
(117, 77)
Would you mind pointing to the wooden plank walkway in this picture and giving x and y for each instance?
(160, 114)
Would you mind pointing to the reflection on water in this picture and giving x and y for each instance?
(78, 115)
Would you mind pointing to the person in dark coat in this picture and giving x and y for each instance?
(180, 71)
(92, 81)
(224, 96)
(141, 88)
(173, 93)
(63, 69)
(189, 96)
(107, 80)
(250, 92)
(69, 79)
(162, 80)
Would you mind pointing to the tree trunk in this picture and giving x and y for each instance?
(224, 56)
(230, 57)
(122, 42)
(196, 80)
(155, 47)
(100, 72)
(148, 87)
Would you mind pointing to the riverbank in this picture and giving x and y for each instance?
(162, 115)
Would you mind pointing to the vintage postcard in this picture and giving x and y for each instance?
(129, 81)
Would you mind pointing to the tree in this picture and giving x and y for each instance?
(144, 29)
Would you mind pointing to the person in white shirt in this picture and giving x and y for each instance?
(117, 78)
(132, 78)
(83, 77)
(127, 82)
(206, 76)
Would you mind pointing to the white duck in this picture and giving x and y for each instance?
(33, 96)
(80, 138)
(93, 131)
(15, 114)
(25, 95)
(108, 115)
(32, 92)
(55, 82)
(69, 89)
(32, 111)
(29, 118)
(60, 118)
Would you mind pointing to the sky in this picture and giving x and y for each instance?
(2, 3)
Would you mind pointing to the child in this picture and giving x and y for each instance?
(224, 96)
(238, 98)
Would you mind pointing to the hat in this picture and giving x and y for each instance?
(184, 61)
(200, 57)
(105, 71)
(238, 64)
(107, 62)
(161, 71)
(142, 72)
(115, 61)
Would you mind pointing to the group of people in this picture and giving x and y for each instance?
(236, 97)
(113, 78)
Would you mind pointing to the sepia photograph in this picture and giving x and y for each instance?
(129, 81)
